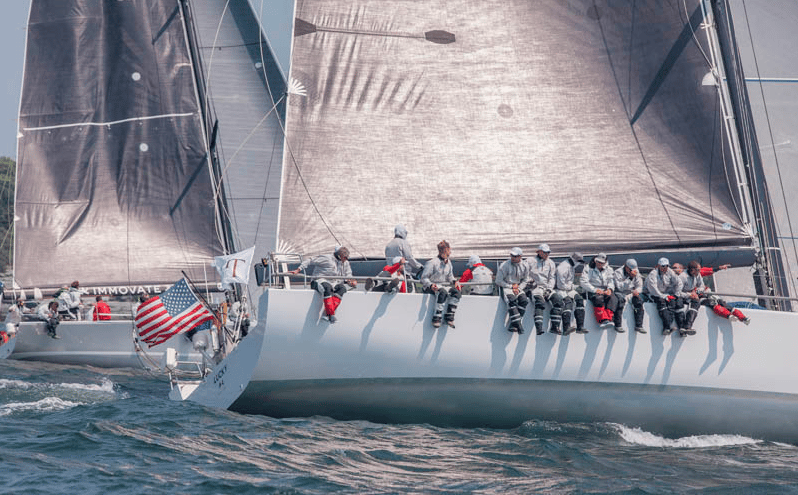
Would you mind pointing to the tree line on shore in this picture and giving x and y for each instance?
(7, 182)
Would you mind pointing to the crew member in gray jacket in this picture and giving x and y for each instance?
(438, 271)
(542, 277)
(663, 286)
(565, 295)
(629, 287)
(329, 269)
(400, 247)
(598, 280)
(511, 279)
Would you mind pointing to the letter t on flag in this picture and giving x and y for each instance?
(234, 268)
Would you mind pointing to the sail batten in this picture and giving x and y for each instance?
(582, 124)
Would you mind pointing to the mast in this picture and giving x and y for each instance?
(769, 277)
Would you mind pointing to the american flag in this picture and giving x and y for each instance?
(175, 311)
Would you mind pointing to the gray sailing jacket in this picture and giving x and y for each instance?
(564, 278)
(400, 247)
(593, 279)
(437, 271)
(512, 273)
(542, 272)
(659, 285)
(329, 267)
(625, 285)
(689, 283)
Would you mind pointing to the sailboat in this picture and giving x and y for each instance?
(119, 188)
(591, 126)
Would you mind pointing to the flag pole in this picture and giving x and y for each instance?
(219, 325)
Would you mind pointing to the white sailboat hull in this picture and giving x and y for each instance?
(383, 361)
(106, 344)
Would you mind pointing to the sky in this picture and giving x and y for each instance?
(12, 36)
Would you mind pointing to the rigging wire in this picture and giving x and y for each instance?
(772, 142)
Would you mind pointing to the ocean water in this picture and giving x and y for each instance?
(67, 429)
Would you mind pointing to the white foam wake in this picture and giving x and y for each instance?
(641, 437)
(47, 404)
(106, 386)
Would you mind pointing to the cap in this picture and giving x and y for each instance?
(577, 258)
(631, 263)
(601, 258)
(663, 262)
(473, 260)
(544, 247)
(396, 259)
(516, 251)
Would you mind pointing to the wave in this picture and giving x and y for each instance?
(106, 385)
(648, 439)
(48, 404)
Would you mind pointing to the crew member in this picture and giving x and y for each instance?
(566, 296)
(628, 287)
(695, 293)
(598, 280)
(511, 279)
(480, 275)
(542, 278)
(663, 286)
(101, 310)
(48, 313)
(438, 271)
(396, 272)
(334, 267)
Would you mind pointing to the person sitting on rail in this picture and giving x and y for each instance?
(695, 293)
(629, 287)
(334, 267)
(598, 280)
(542, 278)
(48, 313)
(511, 279)
(477, 273)
(396, 272)
(663, 286)
(438, 271)
(565, 296)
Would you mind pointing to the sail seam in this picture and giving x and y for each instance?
(100, 124)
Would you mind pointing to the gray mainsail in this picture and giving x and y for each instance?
(113, 182)
(583, 124)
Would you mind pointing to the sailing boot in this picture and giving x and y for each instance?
(617, 319)
(554, 327)
(449, 316)
(515, 319)
(567, 329)
(579, 315)
(740, 316)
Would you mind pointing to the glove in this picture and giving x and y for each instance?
(671, 298)
(547, 294)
